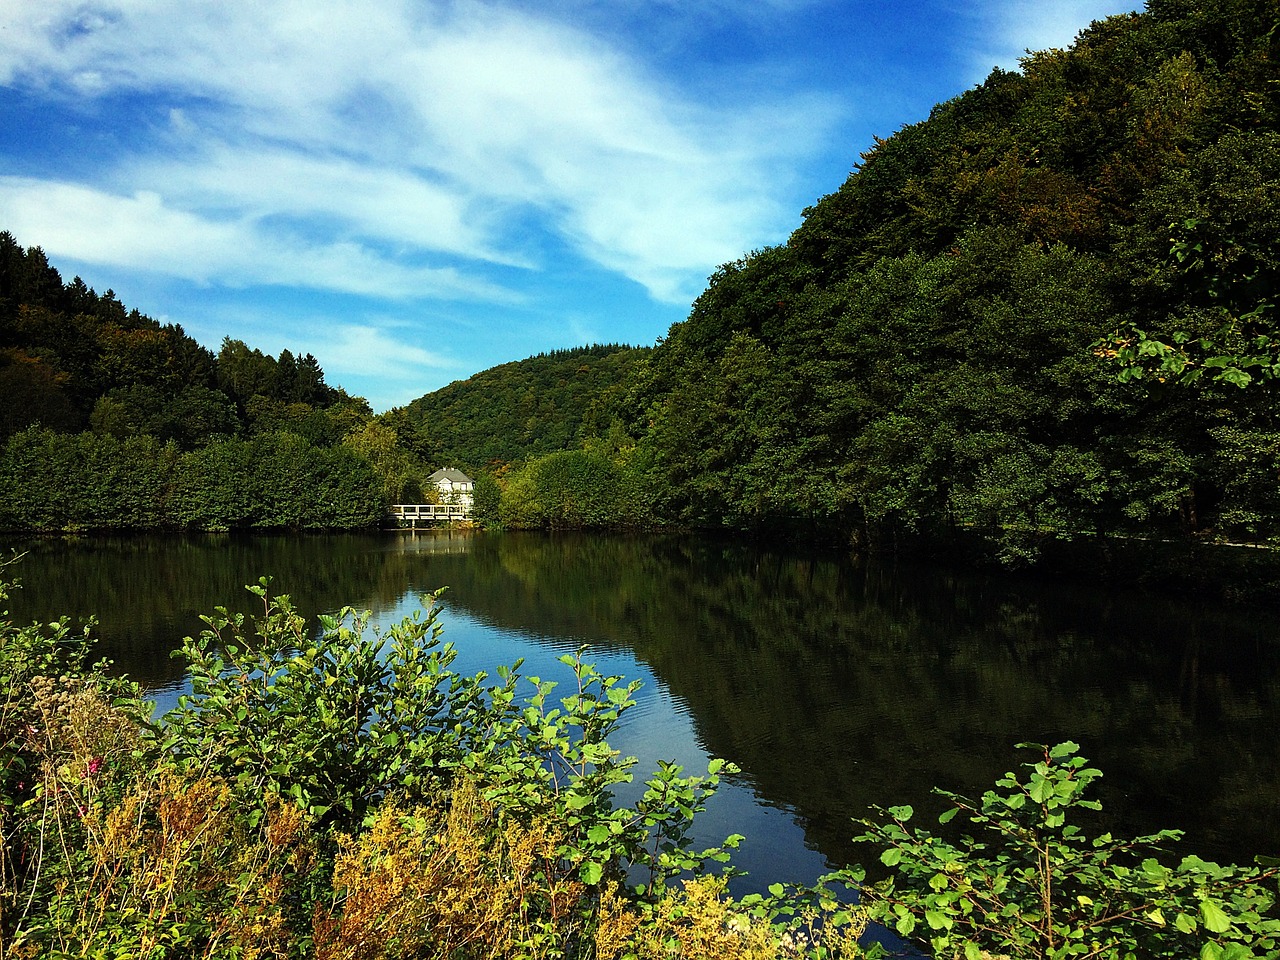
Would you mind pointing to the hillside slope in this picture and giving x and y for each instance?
(923, 353)
(523, 409)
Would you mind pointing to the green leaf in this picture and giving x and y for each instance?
(948, 815)
(891, 857)
(1214, 919)
(937, 920)
(1040, 788)
(1236, 376)
(591, 872)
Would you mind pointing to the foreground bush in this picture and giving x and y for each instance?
(341, 793)
(338, 792)
(1031, 883)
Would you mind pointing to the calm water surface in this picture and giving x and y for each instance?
(835, 686)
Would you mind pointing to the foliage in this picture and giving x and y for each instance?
(335, 721)
(111, 420)
(28, 654)
(81, 481)
(319, 794)
(571, 489)
(1222, 266)
(521, 410)
(554, 762)
(695, 925)
(467, 878)
(1033, 884)
(918, 358)
(403, 475)
(71, 358)
(486, 499)
(918, 362)
(92, 481)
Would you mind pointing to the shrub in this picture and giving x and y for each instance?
(1032, 884)
(336, 719)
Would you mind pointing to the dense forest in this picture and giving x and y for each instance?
(1046, 309)
(72, 359)
(923, 353)
(111, 420)
(525, 409)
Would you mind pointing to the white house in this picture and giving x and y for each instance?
(454, 486)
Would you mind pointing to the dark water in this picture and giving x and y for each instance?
(834, 686)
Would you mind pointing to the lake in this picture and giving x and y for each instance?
(834, 684)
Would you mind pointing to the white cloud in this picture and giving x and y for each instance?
(436, 129)
(393, 369)
(1006, 29)
(389, 204)
(142, 232)
(368, 350)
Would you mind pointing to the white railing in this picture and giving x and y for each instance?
(411, 513)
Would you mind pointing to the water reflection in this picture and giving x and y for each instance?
(833, 686)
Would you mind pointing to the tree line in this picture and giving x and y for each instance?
(111, 420)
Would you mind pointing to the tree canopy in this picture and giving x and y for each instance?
(934, 347)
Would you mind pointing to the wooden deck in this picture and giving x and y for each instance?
(412, 514)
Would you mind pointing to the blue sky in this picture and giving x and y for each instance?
(416, 190)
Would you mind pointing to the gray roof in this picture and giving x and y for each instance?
(451, 474)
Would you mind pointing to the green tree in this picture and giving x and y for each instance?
(403, 476)
(572, 489)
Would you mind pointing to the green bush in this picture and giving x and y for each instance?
(313, 779)
(1031, 884)
(572, 490)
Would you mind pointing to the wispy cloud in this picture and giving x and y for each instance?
(528, 172)
(144, 232)
(1005, 29)
(394, 133)
(355, 348)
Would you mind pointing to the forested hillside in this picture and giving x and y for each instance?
(523, 409)
(935, 347)
(1047, 309)
(111, 420)
(72, 359)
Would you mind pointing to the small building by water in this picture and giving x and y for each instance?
(454, 486)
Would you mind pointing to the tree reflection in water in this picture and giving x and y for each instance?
(833, 685)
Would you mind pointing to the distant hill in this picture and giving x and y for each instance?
(520, 410)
